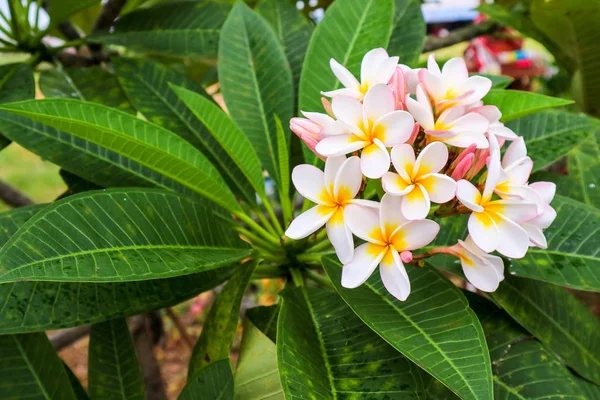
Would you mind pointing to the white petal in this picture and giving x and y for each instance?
(337, 128)
(483, 231)
(515, 152)
(348, 110)
(378, 102)
(455, 70)
(319, 118)
(414, 235)
(471, 123)
(332, 167)
(546, 190)
(371, 63)
(391, 216)
(309, 222)
(536, 235)
(347, 92)
(364, 223)
(440, 188)
(344, 76)
(513, 241)
(364, 262)
(421, 111)
(480, 86)
(393, 184)
(432, 65)
(309, 181)
(466, 139)
(431, 159)
(394, 276)
(341, 238)
(519, 171)
(495, 172)
(491, 113)
(416, 204)
(366, 203)
(385, 71)
(374, 160)
(468, 194)
(502, 132)
(339, 145)
(396, 128)
(403, 159)
(432, 84)
(348, 180)
(515, 210)
(545, 219)
(480, 272)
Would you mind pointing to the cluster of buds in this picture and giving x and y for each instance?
(437, 150)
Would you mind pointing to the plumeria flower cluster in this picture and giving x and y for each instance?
(436, 149)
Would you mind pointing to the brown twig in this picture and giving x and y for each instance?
(69, 336)
(13, 197)
(180, 327)
(459, 35)
(110, 12)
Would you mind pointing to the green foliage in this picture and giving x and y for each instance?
(516, 104)
(408, 34)
(16, 83)
(214, 381)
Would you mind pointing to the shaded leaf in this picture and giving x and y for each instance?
(113, 369)
(517, 104)
(218, 331)
(408, 34)
(325, 351)
(58, 11)
(265, 319)
(75, 184)
(590, 390)
(16, 82)
(498, 81)
(213, 382)
(446, 339)
(113, 236)
(31, 369)
(256, 81)
(583, 180)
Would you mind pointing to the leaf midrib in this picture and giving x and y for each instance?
(31, 369)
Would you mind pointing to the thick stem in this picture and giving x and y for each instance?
(258, 229)
(13, 197)
(323, 280)
(458, 36)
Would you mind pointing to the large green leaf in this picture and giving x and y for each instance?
(256, 81)
(257, 376)
(221, 324)
(118, 235)
(60, 10)
(292, 29)
(91, 84)
(517, 104)
(191, 28)
(230, 139)
(31, 369)
(434, 328)
(498, 81)
(550, 135)
(325, 351)
(141, 141)
(16, 82)
(583, 181)
(590, 390)
(557, 319)
(147, 86)
(265, 319)
(409, 31)
(213, 382)
(113, 369)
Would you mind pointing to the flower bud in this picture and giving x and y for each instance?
(327, 106)
(463, 167)
(469, 150)
(406, 256)
(398, 85)
(414, 133)
(308, 131)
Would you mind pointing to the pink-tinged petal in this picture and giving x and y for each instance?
(502, 132)
(364, 223)
(341, 238)
(416, 204)
(394, 128)
(468, 195)
(414, 235)
(545, 219)
(495, 261)
(484, 232)
(421, 111)
(466, 139)
(375, 160)
(479, 271)
(536, 236)
(411, 77)
(344, 76)
(319, 118)
(519, 171)
(432, 85)
(432, 65)
(348, 110)
(394, 184)
(394, 276)
(309, 181)
(366, 203)
(346, 92)
(546, 190)
(514, 153)
(513, 241)
(332, 167)
(337, 128)
(348, 180)
(403, 159)
(391, 216)
(495, 172)
(515, 210)
(480, 86)
(471, 123)
(455, 70)
(523, 193)
(378, 102)
(366, 258)
(491, 113)
(370, 64)
(339, 145)
(463, 167)
(440, 188)
(309, 222)
(431, 159)
(385, 71)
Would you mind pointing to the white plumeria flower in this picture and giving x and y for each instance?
(376, 67)
(332, 190)
(371, 126)
(454, 126)
(452, 85)
(494, 224)
(535, 226)
(387, 234)
(493, 115)
(483, 270)
(418, 181)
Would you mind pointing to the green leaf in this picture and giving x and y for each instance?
(257, 376)
(221, 324)
(583, 182)
(498, 81)
(325, 351)
(284, 172)
(256, 81)
(213, 382)
(516, 103)
(113, 369)
(59, 11)
(12, 220)
(550, 135)
(189, 29)
(557, 319)
(90, 84)
(16, 82)
(590, 390)
(434, 328)
(292, 29)
(141, 141)
(75, 184)
(228, 136)
(80, 393)
(265, 319)
(31, 369)
(113, 236)
(409, 31)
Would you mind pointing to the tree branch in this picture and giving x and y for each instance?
(13, 197)
(109, 13)
(459, 35)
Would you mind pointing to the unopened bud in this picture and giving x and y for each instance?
(327, 106)
(469, 150)
(414, 133)
(481, 157)
(463, 167)
(406, 256)
(308, 131)
(398, 85)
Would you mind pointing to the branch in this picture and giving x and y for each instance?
(459, 35)
(109, 13)
(13, 197)
(69, 336)
(70, 32)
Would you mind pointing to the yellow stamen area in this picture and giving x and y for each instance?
(451, 93)
(375, 250)
(440, 126)
(338, 217)
(326, 210)
(334, 203)
(488, 218)
(364, 88)
(395, 241)
(466, 260)
(372, 131)
(388, 258)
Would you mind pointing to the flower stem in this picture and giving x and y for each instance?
(256, 240)
(321, 245)
(297, 277)
(315, 257)
(258, 229)
(272, 215)
(323, 280)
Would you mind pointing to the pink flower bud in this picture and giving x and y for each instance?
(327, 106)
(398, 85)
(414, 133)
(469, 150)
(481, 157)
(406, 256)
(463, 167)
(308, 131)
